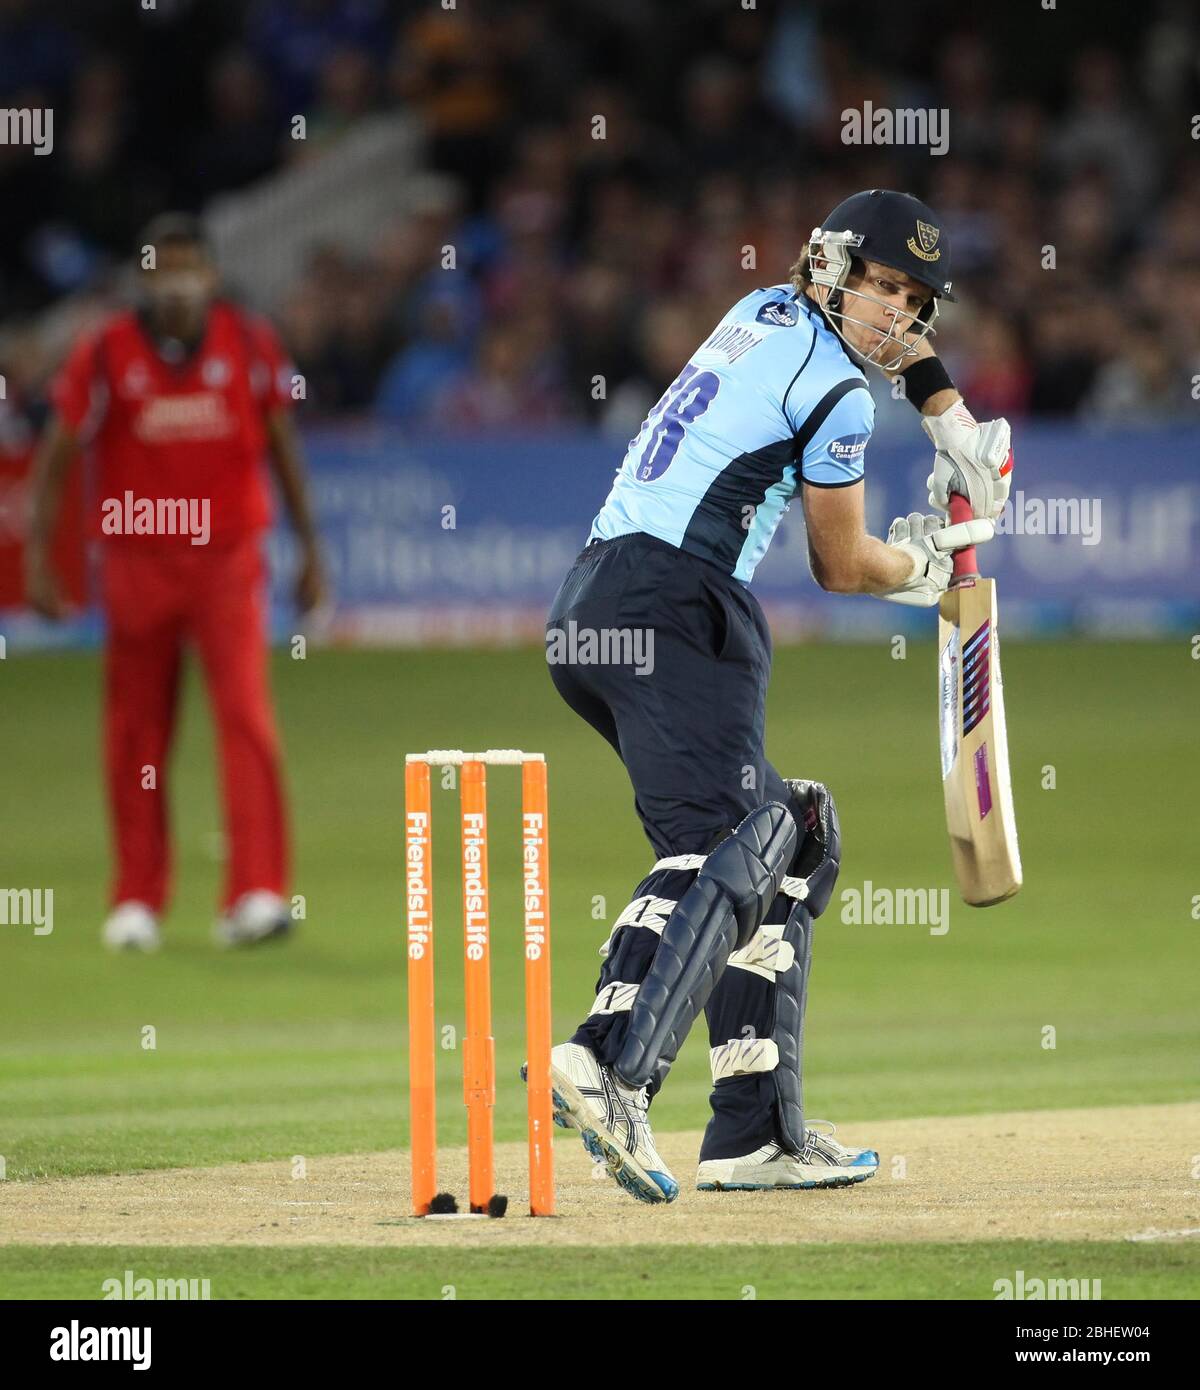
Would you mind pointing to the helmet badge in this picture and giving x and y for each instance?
(929, 239)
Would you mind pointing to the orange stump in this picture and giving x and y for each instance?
(479, 1047)
(535, 872)
(478, 1043)
(418, 874)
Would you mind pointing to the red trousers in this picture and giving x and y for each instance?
(158, 600)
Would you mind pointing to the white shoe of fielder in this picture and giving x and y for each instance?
(255, 917)
(131, 926)
(612, 1122)
(823, 1163)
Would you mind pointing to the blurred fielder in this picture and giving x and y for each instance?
(177, 403)
(774, 402)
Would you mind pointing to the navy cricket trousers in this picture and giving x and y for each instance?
(689, 722)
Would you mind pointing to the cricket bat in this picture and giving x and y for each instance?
(975, 778)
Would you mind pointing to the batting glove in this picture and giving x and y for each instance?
(931, 544)
(972, 459)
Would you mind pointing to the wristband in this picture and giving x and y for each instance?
(925, 378)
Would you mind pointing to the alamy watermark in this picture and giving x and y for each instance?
(1023, 1287)
(604, 646)
(164, 1290)
(23, 125)
(906, 126)
(128, 515)
(869, 906)
(1051, 516)
(28, 907)
(78, 1341)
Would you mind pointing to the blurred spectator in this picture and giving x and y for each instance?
(1064, 359)
(998, 378)
(243, 140)
(1180, 313)
(447, 71)
(439, 352)
(1103, 131)
(717, 133)
(604, 312)
(36, 51)
(1143, 383)
(669, 335)
(514, 385)
(346, 93)
(105, 194)
(294, 40)
(966, 87)
(335, 324)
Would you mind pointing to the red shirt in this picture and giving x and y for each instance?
(194, 431)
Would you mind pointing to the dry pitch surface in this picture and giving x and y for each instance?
(1096, 1174)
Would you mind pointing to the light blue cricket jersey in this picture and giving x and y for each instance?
(769, 399)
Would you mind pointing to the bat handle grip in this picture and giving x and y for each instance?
(966, 567)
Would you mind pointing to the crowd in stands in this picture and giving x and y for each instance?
(592, 256)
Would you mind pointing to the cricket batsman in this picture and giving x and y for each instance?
(179, 402)
(774, 403)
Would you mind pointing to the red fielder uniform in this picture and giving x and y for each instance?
(195, 432)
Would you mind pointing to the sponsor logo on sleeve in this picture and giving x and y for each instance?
(848, 448)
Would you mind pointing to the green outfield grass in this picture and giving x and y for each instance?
(734, 1272)
(299, 1048)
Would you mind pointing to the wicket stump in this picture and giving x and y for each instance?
(479, 1047)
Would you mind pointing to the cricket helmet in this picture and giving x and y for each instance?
(897, 230)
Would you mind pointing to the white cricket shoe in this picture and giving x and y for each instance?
(131, 926)
(612, 1122)
(257, 916)
(823, 1163)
